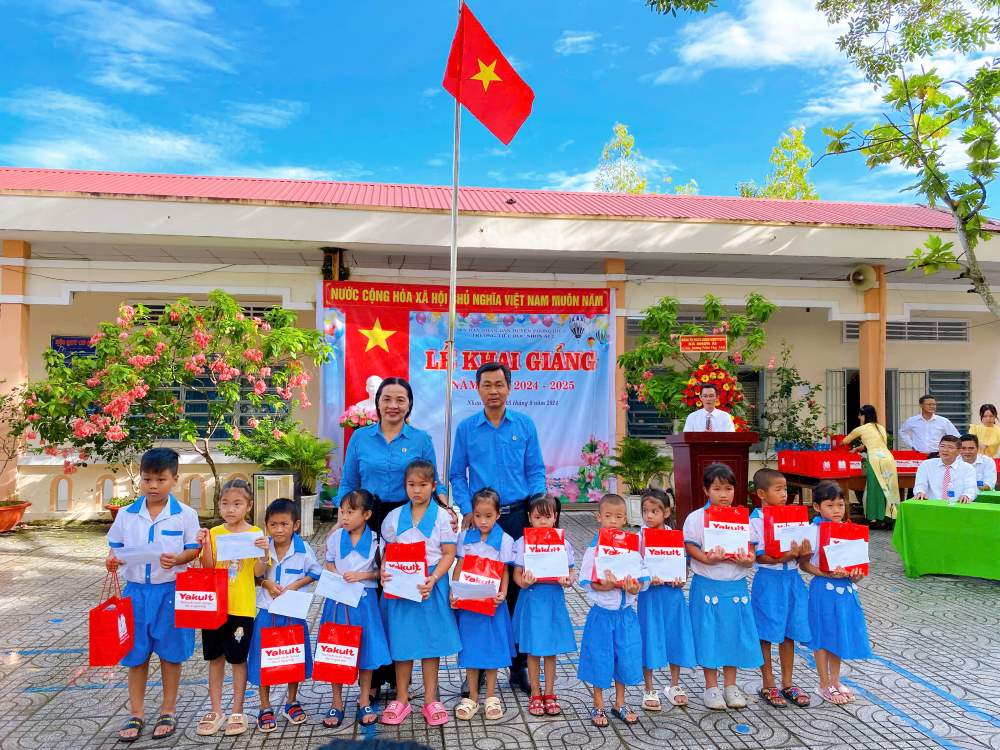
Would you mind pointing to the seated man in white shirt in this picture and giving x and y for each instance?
(708, 418)
(924, 431)
(936, 477)
(985, 466)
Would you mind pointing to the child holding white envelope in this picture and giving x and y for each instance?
(836, 619)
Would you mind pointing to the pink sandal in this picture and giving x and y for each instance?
(396, 712)
(435, 714)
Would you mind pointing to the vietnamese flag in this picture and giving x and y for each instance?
(479, 77)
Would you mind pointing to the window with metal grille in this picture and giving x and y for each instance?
(916, 330)
(953, 392)
(633, 326)
(644, 420)
(156, 309)
(196, 399)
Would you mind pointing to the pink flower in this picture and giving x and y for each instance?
(122, 336)
(259, 387)
(34, 417)
(252, 423)
(277, 434)
(738, 358)
(595, 494)
(51, 451)
(115, 433)
(571, 490)
(770, 363)
(174, 316)
(93, 382)
(253, 355)
(265, 372)
(95, 338)
(236, 433)
(160, 347)
(201, 338)
(647, 375)
(30, 435)
(265, 326)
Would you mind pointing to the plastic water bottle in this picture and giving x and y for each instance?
(951, 497)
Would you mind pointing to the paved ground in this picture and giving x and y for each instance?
(934, 682)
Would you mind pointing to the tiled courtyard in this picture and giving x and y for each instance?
(935, 681)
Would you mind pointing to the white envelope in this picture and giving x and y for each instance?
(292, 604)
(667, 567)
(732, 541)
(238, 546)
(463, 590)
(547, 564)
(628, 565)
(140, 554)
(798, 534)
(333, 586)
(404, 585)
(846, 553)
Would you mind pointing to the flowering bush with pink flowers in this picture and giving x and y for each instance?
(357, 416)
(589, 483)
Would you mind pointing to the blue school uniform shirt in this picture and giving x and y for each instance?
(498, 545)
(616, 598)
(380, 466)
(694, 533)
(434, 530)
(757, 537)
(175, 528)
(297, 562)
(507, 458)
(353, 558)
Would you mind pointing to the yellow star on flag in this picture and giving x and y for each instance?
(377, 336)
(487, 74)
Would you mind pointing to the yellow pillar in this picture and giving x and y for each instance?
(614, 266)
(871, 347)
(13, 335)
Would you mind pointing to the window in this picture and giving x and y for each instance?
(196, 399)
(917, 330)
(195, 489)
(62, 494)
(952, 391)
(633, 326)
(754, 395)
(156, 309)
(107, 489)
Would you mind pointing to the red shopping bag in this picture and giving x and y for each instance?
(545, 541)
(733, 518)
(408, 558)
(337, 651)
(111, 626)
(617, 543)
(832, 533)
(780, 516)
(282, 654)
(201, 598)
(480, 570)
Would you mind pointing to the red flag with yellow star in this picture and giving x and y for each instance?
(481, 79)
(376, 343)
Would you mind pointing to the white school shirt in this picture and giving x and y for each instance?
(350, 558)
(498, 545)
(434, 530)
(721, 421)
(299, 561)
(519, 553)
(176, 528)
(986, 471)
(925, 435)
(930, 479)
(694, 533)
(757, 538)
(616, 598)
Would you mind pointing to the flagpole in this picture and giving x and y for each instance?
(452, 283)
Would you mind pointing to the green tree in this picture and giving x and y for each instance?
(791, 161)
(620, 169)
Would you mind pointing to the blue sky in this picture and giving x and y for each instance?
(336, 90)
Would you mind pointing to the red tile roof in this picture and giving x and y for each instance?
(471, 199)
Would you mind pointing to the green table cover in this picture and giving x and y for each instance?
(988, 497)
(933, 537)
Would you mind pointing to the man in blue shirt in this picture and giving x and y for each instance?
(498, 448)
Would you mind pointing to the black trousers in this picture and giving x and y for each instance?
(513, 524)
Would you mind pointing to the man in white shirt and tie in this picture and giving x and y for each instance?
(936, 477)
(708, 418)
(924, 431)
(985, 466)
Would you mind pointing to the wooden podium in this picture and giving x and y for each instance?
(693, 452)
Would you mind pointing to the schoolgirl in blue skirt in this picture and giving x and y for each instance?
(725, 635)
(779, 597)
(350, 551)
(542, 628)
(487, 640)
(836, 619)
(289, 565)
(664, 618)
(423, 630)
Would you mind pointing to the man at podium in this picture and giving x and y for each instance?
(708, 418)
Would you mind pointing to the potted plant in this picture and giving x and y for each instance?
(13, 426)
(115, 504)
(636, 462)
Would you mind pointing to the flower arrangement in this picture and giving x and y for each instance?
(711, 372)
(588, 484)
(357, 416)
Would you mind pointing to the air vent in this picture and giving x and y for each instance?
(917, 330)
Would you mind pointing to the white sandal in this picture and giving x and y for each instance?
(466, 709)
(651, 700)
(677, 696)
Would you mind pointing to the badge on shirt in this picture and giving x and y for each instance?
(515, 437)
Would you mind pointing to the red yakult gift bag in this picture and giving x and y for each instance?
(778, 516)
(337, 650)
(616, 543)
(735, 517)
(545, 541)
(480, 570)
(282, 654)
(201, 598)
(409, 558)
(111, 630)
(833, 532)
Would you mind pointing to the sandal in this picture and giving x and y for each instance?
(494, 709)
(365, 713)
(396, 712)
(624, 711)
(435, 714)
(651, 701)
(552, 707)
(832, 695)
(796, 695)
(773, 696)
(133, 723)
(598, 718)
(466, 709)
(536, 705)
(167, 721)
(235, 725)
(677, 696)
(210, 724)
(294, 712)
(333, 713)
(846, 692)
(266, 721)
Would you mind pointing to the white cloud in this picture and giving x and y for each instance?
(274, 114)
(657, 45)
(501, 152)
(431, 91)
(571, 181)
(566, 144)
(576, 42)
(435, 162)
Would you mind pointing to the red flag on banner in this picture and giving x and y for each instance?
(482, 79)
(376, 342)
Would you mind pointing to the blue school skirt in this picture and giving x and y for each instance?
(374, 646)
(153, 611)
(611, 649)
(780, 604)
(422, 630)
(665, 624)
(541, 621)
(263, 620)
(836, 618)
(724, 631)
(487, 642)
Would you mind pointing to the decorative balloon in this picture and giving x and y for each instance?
(577, 325)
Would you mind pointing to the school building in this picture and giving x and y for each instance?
(76, 244)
